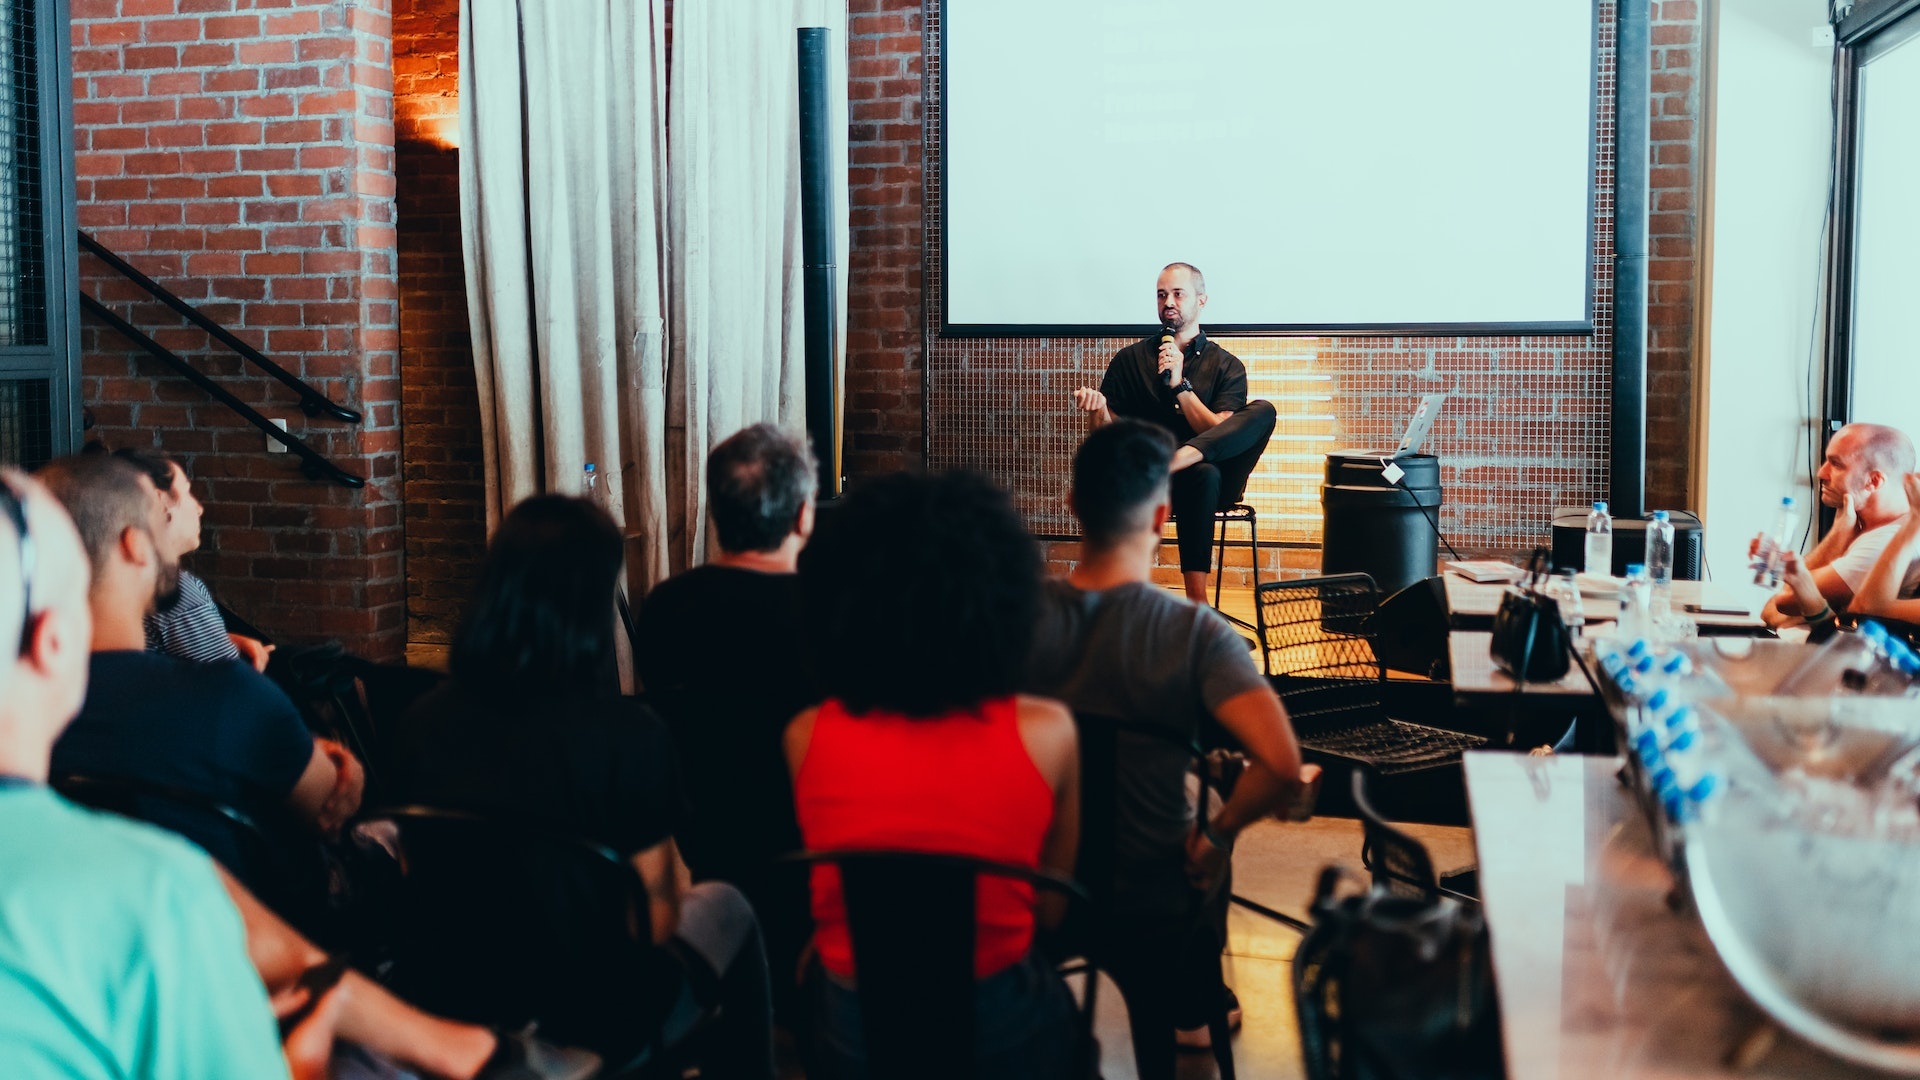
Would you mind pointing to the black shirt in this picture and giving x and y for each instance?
(220, 730)
(720, 657)
(601, 769)
(1133, 388)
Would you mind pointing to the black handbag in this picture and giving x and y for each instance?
(1395, 988)
(1530, 639)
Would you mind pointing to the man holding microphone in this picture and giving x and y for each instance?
(1176, 378)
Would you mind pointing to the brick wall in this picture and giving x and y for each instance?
(243, 157)
(1672, 269)
(1529, 415)
(444, 484)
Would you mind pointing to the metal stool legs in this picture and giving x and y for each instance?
(1236, 512)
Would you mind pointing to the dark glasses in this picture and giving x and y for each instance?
(16, 512)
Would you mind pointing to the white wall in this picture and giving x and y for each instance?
(1772, 133)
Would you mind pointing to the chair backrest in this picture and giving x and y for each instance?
(1316, 628)
(911, 919)
(1104, 742)
(1400, 864)
(283, 872)
(504, 923)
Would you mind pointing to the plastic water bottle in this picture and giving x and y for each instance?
(1636, 605)
(590, 486)
(1660, 564)
(1770, 548)
(1600, 540)
(1854, 663)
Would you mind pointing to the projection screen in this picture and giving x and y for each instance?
(1401, 166)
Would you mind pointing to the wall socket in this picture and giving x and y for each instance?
(275, 446)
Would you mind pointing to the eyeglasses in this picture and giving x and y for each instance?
(16, 512)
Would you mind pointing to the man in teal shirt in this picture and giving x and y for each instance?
(120, 953)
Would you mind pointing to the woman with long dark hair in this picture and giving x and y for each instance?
(921, 594)
(531, 729)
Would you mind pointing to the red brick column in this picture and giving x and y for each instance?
(244, 158)
(1672, 269)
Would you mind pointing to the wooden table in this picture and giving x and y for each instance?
(1597, 977)
(1471, 604)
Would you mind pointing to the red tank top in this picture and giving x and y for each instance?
(961, 784)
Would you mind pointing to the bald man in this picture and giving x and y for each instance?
(120, 954)
(1861, 479)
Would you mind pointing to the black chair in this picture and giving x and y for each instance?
(1400, 864)
(911, 918)
(1236, 512)
(1141, 964)
(1318, 651)
(283, 871)
(507, 924)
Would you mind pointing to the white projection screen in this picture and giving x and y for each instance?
(1396, 166)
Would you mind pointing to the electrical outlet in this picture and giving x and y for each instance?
(275, 446)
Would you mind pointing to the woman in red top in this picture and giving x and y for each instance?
(922, 593)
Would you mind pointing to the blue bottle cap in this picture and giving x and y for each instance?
(1636, 568)
(1649, 751)
(1601, 506)
(1786, 500)
(1680, 718)
(1678, 664)
(1704, 788)
(1628, 686)
(1660, 778)
(1638, 648)
(1659, 515)
(589, 466)
(1679, 810)
(1659, 699)
(1644, 667)
(1681, 742)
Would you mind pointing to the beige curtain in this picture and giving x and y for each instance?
(734, 227)
(562, 169)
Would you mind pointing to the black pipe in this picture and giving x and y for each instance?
(312, 463)
(1632, 59)
(820, 269)
(312, 402)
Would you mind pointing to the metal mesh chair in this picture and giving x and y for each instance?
(1400, 864)
(1317, 650)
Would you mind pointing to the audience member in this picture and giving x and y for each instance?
(920, 601)
(1112, 644)
(719, 654)
(1892, 588)
(221, 731)
(186, 622)
(524, 731)
(119, 953)
(1860, 480)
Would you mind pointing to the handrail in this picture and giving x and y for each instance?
(311, 462)
(312, 402)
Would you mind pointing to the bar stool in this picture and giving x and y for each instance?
(1236, 512)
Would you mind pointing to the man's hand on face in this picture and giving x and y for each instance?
(1172, 362)
(1089, 400)
(1846, 523)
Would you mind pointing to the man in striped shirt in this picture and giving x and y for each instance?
(186, 622)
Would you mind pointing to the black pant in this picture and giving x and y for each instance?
(1229, 451)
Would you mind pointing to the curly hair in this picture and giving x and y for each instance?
(921, 594)
(541, 618)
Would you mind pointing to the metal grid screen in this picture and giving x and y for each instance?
(1526, 428)
(23, 280)
(26, 422)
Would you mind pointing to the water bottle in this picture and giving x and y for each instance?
(590, 486)
(1770, 548)
(1660, 564)
(1854, 663)
(1600, 540)
(1636, 605)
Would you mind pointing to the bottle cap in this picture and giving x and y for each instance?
(589, 466)
(1683, 741)
(1659, 700)
(1678, 664)
(1872, 631)
(1636, 568)
(1680, 717)
(1659, 515)
(1638, 648)
(1601, 506)
(1704, 788)
(1644, 667)
(1786, 500)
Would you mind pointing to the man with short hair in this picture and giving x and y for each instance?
(1179, 380)
(221, 730)
(123, 950)
(719, 656)
(1861, 478)
(1112, 644)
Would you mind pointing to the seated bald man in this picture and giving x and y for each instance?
(1862, 480)
(1178, 380)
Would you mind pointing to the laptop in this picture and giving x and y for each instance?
(1420, 425)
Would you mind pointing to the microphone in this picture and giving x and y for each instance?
(1166, 337)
